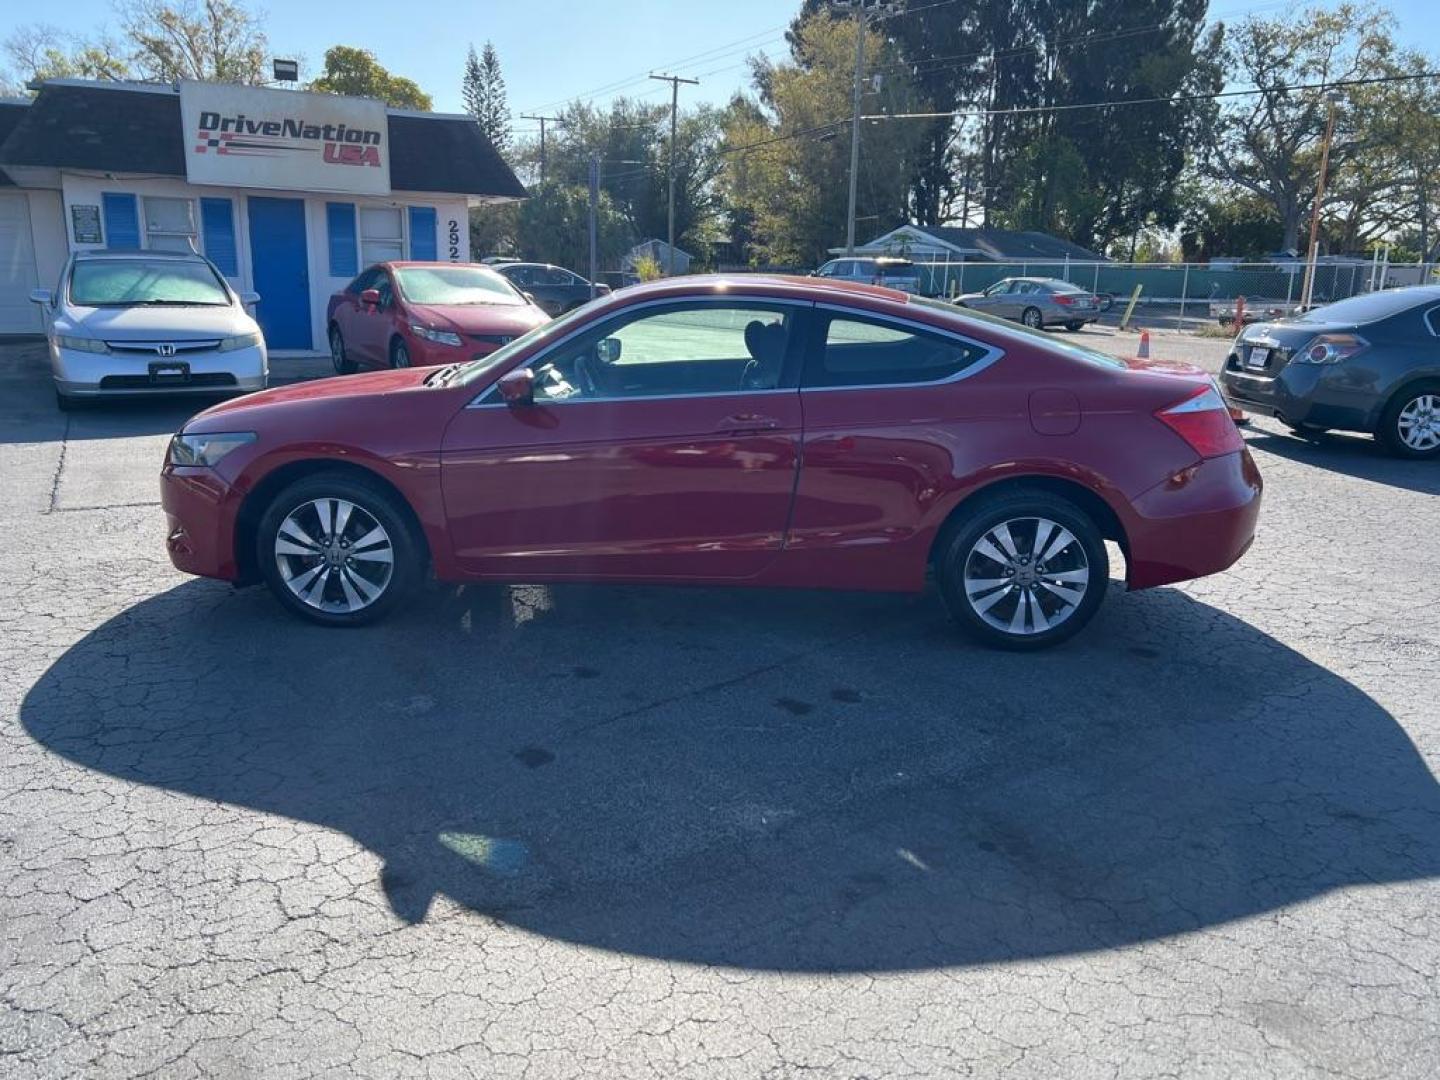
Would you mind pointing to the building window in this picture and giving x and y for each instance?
(218, 218)
(340, 232)
(382, 234)
(169, 224)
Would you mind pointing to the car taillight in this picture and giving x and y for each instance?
(1329, 349)
(1064, 298)
(1203, 421)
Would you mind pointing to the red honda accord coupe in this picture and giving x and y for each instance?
(729, 431)
(418, 314)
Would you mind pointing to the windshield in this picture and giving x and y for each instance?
(1080, 352)
(455, 286)
(477, 369)
(136, 282)
(1368, 308)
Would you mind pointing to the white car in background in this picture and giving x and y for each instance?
(138, 323)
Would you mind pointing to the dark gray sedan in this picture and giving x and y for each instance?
(554, 289)
(1370, 363)
(1036, 302)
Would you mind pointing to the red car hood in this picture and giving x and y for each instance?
(511, 319)
(366, 385)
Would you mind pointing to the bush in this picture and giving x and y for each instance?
(648, 268)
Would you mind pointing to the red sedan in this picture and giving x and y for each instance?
(417, 314)
(741, 430)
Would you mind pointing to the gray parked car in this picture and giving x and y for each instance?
(1036, 302)
(887, 270)
(1370, 363)
(555, 289)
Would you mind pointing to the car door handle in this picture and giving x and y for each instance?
(747, 422)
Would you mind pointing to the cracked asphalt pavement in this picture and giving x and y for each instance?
(529, 832)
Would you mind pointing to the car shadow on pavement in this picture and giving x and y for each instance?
(772, 781)
(1359, 456)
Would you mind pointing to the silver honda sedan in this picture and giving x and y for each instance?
(1036, 302)
(134, 323)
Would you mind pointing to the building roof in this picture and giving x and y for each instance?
(1000, 245)
(135, 128)
(11, 112)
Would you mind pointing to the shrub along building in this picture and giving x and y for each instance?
(289, 193)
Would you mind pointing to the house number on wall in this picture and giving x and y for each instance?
(454, 240)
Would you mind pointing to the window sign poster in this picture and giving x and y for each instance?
(85, 223)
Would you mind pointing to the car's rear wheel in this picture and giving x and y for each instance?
(343, 364)
(1410, 424)
(1074, 325)
(399, 354)
(338, 550)
(1023, 571)
(1031, 317)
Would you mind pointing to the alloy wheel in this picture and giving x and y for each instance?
(1031, 318)
(1026, 575)
(400, 355)
(337, 351)
(334, 555)
(1419, 422)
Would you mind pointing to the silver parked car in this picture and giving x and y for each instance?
(1036, 302)
(889, 271)
(132, 323)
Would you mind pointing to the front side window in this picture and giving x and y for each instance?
(382, 234)
(865, 352)
(145, 282)
(169, 224)
(367, 279)
(675, 351)
(455, 286)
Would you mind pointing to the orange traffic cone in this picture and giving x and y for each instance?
(1144, 353)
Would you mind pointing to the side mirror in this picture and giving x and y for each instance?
(608, 350)
(518, 387)
(40, 296)
(370, 298)
(249, 299)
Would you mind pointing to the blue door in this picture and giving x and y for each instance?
(280, 269)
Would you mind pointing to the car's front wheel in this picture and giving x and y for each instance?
(399, 354)
(338, 550)
(1024, 570)
(1410, 425)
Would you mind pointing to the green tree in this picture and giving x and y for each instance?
(483, 91)
(40, 52)
(213, 40)
(553, 227)
(356, 72)
(787, 151)
(1269, 144)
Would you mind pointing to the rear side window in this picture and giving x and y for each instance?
(1432, 320)
(864, 352)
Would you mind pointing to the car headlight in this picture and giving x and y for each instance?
(240, 341)
(440, 337)
(206, 448)
(81, 344)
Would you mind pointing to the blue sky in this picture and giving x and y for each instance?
(552, 51)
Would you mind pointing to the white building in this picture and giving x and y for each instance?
(290, 194)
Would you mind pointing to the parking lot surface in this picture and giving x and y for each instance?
(622, 832)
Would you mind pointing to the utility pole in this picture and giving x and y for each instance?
(594, 223)
(543, 121)
(862, 13)
(674, 81)
(1307, 293)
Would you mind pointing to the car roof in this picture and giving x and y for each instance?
(407, 264)
(776, 285)
(130, 253)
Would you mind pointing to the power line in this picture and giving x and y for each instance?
(1171, 100)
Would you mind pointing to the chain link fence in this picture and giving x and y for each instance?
(1197, 286)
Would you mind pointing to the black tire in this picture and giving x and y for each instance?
(1389, 431)
(1032, 318)
(399, 354)
(65, 403)
(371, 501)
(1074, 326)
(1085, 551)
(338, 356)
